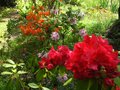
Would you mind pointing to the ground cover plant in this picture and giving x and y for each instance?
(59, 45)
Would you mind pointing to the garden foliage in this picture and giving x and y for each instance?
(50, 47)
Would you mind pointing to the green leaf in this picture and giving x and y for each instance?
(21, 72)
(45, 75)
(62, 70)
(93, 85)
(14, 70)
(40, 74)
(83, 84)
(45, 88)
(119, 52)
(68, 82)
(9, 65)
(33, 85)
(21, 64)
(90, 82)
(118, 68)
(6, 73)
(117, 81)
(10, 61)
(13, 84)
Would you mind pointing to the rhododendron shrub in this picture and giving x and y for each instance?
(93, 58)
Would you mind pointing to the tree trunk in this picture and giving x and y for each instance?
(119, 10)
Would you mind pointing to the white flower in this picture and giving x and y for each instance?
(42, 54)
(81, 14)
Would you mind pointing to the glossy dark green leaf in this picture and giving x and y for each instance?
(62, 70)
(84, 84)
(94, 85)
(40, 74)
(117, 81)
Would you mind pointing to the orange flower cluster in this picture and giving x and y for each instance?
(35, 21)
(38, 23)
(29, 30)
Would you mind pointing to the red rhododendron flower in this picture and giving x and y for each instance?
(108, 82)
(55, 57)
(90, 57)
(117, 88)
(45, 63)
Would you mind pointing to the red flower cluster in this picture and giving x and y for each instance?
(93, 57)
(55, 57)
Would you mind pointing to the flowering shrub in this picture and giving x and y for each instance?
(93, 59)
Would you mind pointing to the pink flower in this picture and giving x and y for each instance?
(82, 32)
(62, 78)
(55, 36)
(56, 11)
